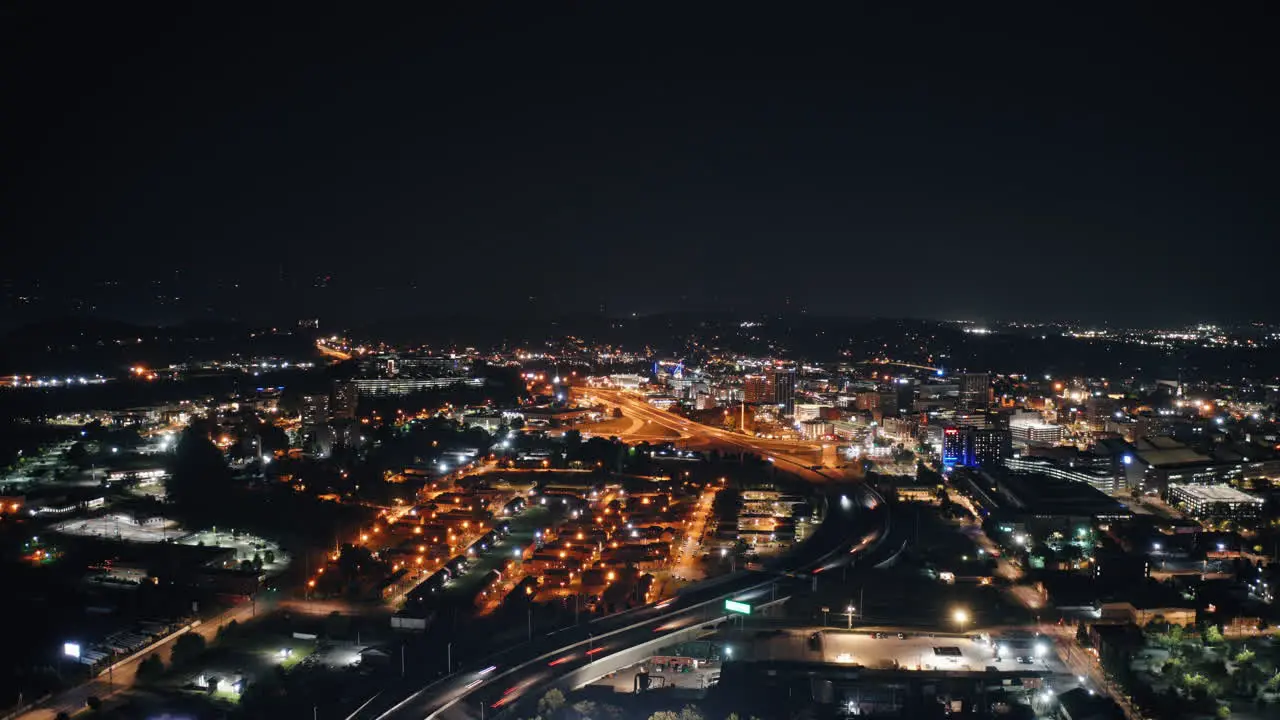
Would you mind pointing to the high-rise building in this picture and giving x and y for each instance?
(315, 410)
(991, 446)
(757, 389)
(953, 441)
(906, 400)
(784, 390)
(975, 389)
(969, 446)
(345, 400)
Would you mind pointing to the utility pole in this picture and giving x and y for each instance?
(448, 659)
(530, 616)
(402, 659)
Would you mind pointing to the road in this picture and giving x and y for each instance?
(688, 565)
(124, 674)
(693, 434)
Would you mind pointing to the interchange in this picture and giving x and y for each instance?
(501, 681)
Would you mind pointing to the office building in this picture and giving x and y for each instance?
(953, 447)
(975, 447)
(990, 445)
(784, 391)
(315, 410)
(905, 396)
(344, 401)
(758, 389)
(975, 390)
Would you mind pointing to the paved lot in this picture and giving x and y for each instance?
(119, 526)
(917, 651)
(623, 681)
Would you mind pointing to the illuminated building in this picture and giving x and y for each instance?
(990, 445)
(384, 387)
(1097, 471)
(1029, 427)
(815, 429)
(975, 447)
(952, 447)
(757, 389)
(975, 389)
(784, 390)
(315, 410)
(1216, 503)
(345, 399)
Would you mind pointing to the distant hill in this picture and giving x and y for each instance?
(93, 345)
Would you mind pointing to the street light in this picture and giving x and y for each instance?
(848, 612)
(961, 616)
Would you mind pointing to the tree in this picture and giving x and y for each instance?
(199, 478)
(94, 702)
(1224, 712)
(551, 703)
(1212, 635)
(269, 557)
(664, 715)
(228, 630)
(151, 668)
(257, 562)
(689, 712)
(187, 648)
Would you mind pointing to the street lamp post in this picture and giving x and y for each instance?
(849, 615)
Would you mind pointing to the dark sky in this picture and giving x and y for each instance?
(1026, 161)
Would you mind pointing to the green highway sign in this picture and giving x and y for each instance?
(734, 606)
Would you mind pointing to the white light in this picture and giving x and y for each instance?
(71, 649)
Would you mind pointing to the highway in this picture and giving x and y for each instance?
(855, 515)
(693, 434)
(504, 678)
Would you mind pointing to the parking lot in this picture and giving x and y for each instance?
(913, 651)
(122, 527)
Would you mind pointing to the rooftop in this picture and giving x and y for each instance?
(1215, 493)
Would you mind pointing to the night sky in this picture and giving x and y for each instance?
(1024, 161)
